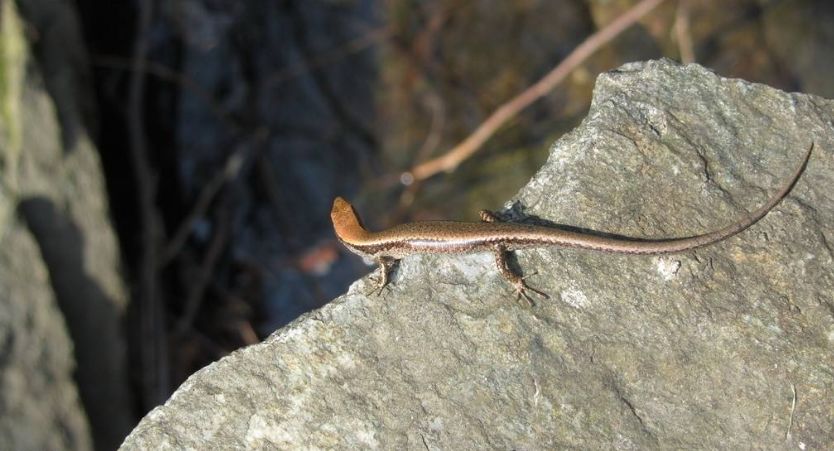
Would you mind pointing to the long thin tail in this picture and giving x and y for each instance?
(682, 244)
(666, 246)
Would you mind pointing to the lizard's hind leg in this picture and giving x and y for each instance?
(517, 281)
(502, 256)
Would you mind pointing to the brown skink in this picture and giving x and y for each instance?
(450, 237)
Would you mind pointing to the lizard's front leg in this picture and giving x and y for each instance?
(489, 216)
(385, 266)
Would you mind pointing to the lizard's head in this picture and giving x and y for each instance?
(346, 222)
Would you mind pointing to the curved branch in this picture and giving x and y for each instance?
(466, 148)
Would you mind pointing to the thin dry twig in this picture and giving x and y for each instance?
(154, 354)
(683, 35)
(328, 57)
(438, 119)
(170, 75)
(228, 172)
(450, 160)
(196, 293)
(343, 112)
(429, 144)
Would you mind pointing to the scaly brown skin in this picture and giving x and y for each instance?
(492, 235)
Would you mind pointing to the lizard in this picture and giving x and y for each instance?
(492, 234)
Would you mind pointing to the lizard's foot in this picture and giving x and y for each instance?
(379, 285)
(522, 289)
(517, 281)
(385, 265)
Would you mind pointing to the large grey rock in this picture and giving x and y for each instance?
(63, 382)
(39, 403)
(728, 346)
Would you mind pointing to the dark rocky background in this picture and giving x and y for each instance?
(166, 167)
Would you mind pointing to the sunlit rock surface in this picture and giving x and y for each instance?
(722, 347)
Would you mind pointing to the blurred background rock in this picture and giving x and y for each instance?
(167, 167)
